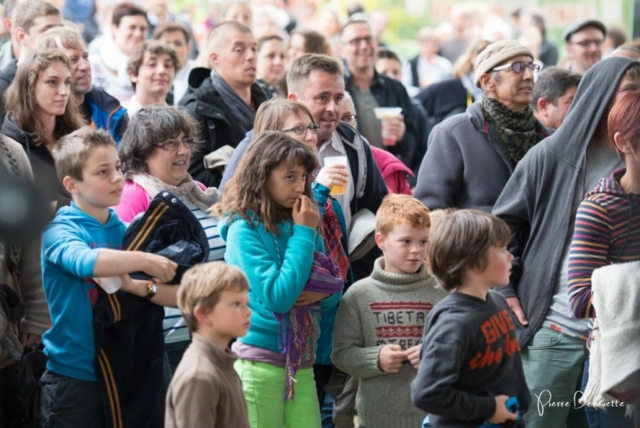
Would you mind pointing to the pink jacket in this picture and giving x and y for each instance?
(393, 171)
(134, 201)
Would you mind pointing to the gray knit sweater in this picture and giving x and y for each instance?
(384, 309)
(36, 318)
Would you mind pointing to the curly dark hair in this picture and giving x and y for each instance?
(149, 126)
(247, 192)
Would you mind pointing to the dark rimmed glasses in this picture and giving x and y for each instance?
(302, 129)
(519, 67)
(172, 145)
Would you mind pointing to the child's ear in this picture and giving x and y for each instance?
(380, 241)
(70, 185)
(201, 316)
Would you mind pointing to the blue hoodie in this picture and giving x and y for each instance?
(277, 269)
(70, 246)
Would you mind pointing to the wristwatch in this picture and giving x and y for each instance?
(152, 290)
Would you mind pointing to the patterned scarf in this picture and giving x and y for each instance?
(298, 329)
(515, 131)
(332, 237)
(202, 199)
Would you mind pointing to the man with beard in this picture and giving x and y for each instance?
(584, 45)
(472, 155)
(98, 108)
(223, 99)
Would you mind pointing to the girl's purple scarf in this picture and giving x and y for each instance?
(298, 329)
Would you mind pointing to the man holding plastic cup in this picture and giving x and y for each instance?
(385, 114)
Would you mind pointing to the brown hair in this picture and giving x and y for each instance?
(170, 27)
(202, 285)
(26, 12)
(272, 114)
(262, 40)
(73, 150)
(246, 192)
(62, 38)
(21, 99)
(463, 65)
(397, 210)
(124, 9)
(302, 67)
(461, 241)
(314, 42)
(153, 47)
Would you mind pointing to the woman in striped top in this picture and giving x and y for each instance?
(607, 230)
(155, 152)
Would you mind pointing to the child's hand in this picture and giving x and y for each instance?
(334, 175)
(309, 297)
(305, 213)
(502, 414)
(161, 269)
(413, 355)
(390, 358)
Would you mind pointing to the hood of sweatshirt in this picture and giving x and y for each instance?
(591, 102)
(12, 130)
(610, 185)
(74, 215)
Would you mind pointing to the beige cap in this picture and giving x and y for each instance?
(497, 53)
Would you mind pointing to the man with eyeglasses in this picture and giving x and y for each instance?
(584, 44)
(472, 155)
(370, 89)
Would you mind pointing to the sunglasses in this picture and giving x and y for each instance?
(519, 67)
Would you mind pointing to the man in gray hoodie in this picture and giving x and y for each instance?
(539, 203)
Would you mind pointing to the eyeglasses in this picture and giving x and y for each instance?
(349, 118)
(519, 67)
(356, 42)
(587, 43)
(302, 130)
(172, 145)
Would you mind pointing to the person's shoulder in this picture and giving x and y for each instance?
(358, 289)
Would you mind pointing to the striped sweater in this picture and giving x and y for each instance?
(607, 231)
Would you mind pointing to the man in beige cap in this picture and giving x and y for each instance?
(472, 155)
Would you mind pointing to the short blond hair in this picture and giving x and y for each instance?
(73, 150)
(202, 286)
(397, 210)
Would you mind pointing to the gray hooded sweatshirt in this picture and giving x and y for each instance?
(537, 202)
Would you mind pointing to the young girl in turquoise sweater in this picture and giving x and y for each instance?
(270, 226)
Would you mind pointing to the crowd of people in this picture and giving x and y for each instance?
(283, 223)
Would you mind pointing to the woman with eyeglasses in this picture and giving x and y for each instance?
(155, 152)
(295, 119)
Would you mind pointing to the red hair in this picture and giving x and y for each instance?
(624, 119)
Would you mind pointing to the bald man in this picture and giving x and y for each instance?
(223, 99)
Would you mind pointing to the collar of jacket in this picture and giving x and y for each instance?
(378, 79)
(479, 122)
(209, 101)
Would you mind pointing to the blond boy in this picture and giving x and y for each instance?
(470, 361)
(205, 390)
(378, 332)
(80, 247)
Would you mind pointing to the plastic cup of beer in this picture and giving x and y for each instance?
(337, 160)
(383, 114)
